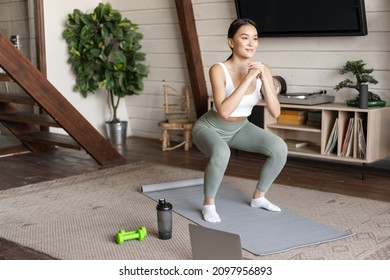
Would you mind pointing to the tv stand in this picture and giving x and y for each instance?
(314, 140)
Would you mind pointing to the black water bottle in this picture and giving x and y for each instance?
(164, 219)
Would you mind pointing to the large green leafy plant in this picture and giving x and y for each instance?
(362, 75)
(104, 51)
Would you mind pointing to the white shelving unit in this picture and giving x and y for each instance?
(376, 130)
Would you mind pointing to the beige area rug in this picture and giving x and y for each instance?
(77, 217)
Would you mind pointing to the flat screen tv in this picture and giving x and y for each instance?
(288, 18)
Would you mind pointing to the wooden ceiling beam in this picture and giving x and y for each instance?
(193, 55)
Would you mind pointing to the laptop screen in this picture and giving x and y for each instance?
(212, 244)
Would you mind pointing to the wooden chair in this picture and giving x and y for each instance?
(177, 117)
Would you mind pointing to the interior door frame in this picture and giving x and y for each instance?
(40, 36)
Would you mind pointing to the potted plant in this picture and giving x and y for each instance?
(104, 52)
(363, 77)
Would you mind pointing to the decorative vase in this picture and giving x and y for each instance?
(117, 132)
(363, 96)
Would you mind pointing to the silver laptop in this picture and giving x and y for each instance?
(211, 244)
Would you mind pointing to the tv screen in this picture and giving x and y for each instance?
(283, 18)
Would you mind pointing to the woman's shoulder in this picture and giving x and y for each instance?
(266, 66)
(218, 65)
(217, 72)
(217, 68)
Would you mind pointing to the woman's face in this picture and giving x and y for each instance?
(245, 42)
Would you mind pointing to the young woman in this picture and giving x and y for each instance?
(236, 85)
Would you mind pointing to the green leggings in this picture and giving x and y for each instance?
(214, 138)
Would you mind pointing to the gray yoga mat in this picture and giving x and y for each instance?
(262, 232)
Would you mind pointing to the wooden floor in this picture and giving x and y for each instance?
(327, 176)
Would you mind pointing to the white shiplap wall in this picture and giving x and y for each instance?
(307, 64)
(163, 46)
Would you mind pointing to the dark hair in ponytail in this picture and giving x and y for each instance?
(236, 24)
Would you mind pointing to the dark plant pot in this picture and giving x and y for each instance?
(117, 132)
(355, 103)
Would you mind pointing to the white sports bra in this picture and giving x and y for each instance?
(248, 101)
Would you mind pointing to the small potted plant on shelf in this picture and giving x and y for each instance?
(104, 51)
(363, 78)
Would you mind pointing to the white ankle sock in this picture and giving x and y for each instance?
(262, 202)
(210, 214)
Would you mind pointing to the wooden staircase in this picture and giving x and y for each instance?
(33, 129)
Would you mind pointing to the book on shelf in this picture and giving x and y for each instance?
(346, 149)
(290, 120)
(315, 124)
(314, 115)
(293, 112)
(314, 119)
(361, 140)
(292, 117)
(293, 143)
(333, 137)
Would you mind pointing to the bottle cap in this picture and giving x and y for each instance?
(163, 205)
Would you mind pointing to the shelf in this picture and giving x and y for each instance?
(334, 106)
(309, 149)
(295, 127)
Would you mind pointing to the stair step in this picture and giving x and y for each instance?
(17, 98)
(45, 137)
(29, 118)
(5, 78)
(13, 150)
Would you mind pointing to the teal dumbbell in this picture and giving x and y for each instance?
(139, 234)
